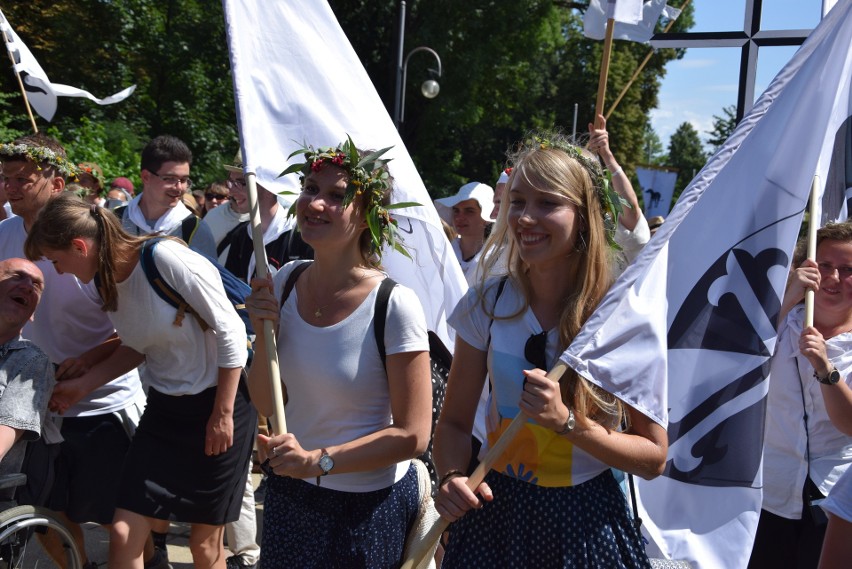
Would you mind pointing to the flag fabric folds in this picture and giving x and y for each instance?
(686, 333)
(41, 93)
(634, 20)
(297, 80)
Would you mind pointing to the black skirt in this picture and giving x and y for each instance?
(166, 473)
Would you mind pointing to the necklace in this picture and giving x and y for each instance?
(338, 296)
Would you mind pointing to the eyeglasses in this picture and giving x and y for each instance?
(238, 183)
(535, 350)
(174, 180)
(212, 197)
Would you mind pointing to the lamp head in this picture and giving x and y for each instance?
(430, 88)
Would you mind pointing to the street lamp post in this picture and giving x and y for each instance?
(429, 89)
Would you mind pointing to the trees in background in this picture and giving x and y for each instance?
(686, 153)
(509, 67)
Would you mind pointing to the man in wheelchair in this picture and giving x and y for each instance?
(26, 374)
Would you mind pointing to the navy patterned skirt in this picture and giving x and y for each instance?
(309, 527)
(525, 526)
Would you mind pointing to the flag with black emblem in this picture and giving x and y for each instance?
(686, 334)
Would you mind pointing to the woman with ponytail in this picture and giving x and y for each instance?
(187, 460)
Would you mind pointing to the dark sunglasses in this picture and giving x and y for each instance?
(535, 350)
(212, 197)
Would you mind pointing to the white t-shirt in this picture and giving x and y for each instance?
(537, 455)
(468, 267)
(787, 443)
(221, 220)
(67, 323)
(839, 501)
(7, 207)
(180, 360)
(337, 387)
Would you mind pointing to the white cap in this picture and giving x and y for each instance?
(482, 193)
(504, 177)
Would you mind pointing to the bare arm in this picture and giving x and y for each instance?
(599, 143)
(8, 437)
(261, 306)
(641, 450)
(220, 426)
(837, 397)
(406, 437)
(70, 391)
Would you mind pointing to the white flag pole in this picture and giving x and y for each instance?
(421, 549)
(7, 40)
(813, 225)
(267, 334)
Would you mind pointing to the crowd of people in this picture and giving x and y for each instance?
(147, 412)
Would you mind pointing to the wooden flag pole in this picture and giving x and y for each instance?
(813, 225)
(641, 67)
(423, 548)
(267, 334)
(599, 102)
(6, 40)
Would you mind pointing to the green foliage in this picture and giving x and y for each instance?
(723, 126)
(686, 153)
(654, 152)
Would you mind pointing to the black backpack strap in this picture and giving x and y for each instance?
(380, 315)
(188, 227)
(500, 286)
(291, 281)
(163, 289)
(226, 240)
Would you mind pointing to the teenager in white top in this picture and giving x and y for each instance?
(195, 437)
(342, 490)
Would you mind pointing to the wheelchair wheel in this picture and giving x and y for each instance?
(19, 544)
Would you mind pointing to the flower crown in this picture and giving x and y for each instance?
(612, 204)
(40, 154)
(367, 176)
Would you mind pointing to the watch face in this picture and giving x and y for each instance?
(833, 377)
(326, 463)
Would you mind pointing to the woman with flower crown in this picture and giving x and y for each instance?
(342, 491)
(550, 501)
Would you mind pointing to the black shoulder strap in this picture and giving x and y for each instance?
(291, 280)
(500, 286)
(188, 227)
(226, 240)
(380, 315)
(163, 289)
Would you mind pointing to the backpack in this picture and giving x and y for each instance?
(440, 357)
(188, 226)
(235, 289)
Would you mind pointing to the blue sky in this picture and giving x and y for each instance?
(705, 80)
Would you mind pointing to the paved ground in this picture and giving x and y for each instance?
(97, 541)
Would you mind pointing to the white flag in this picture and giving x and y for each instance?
(634, 20)
(657, 189)
(41, 93)
(298, 80)
(685, 335)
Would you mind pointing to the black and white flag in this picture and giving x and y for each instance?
(686, 334)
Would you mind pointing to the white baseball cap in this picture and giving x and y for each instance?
(482, 193)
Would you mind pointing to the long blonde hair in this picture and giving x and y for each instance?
(561, 167)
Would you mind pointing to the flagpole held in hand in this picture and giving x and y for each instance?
(813, 225)
(428, 542)
(6, 41)
(267, 334)
(602, 78)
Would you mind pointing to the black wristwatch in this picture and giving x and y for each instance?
(832, 377)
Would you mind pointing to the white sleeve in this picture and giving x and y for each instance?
(470, 317)
(405, 326)
(199, 283)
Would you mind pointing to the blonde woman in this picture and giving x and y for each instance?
(550, 501)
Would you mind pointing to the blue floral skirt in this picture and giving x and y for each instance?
(585, 526)
(309, 527)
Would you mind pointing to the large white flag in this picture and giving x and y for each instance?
(657, 189)
(634, 19)
(298, 80)
(41, 93)
(685, 335)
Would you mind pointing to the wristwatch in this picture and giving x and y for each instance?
(569, 424)
(832, 377)
(326, 463)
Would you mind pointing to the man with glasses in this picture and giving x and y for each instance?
(166, 162)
